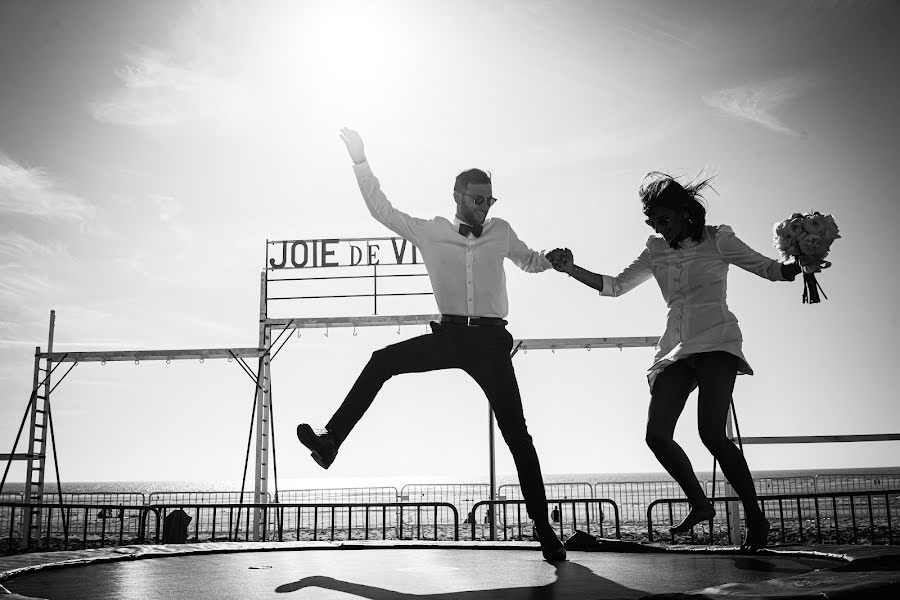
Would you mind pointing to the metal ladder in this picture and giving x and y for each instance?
(37, 443)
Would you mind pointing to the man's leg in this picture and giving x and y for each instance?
(417, 355)
(490, 365)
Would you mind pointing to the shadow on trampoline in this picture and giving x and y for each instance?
(572, 581)
(759, 565)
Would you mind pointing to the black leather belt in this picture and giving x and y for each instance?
(473, 321)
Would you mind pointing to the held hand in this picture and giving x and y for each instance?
(565, 261)
(810, 264)
(555, 257)
(354, 144)
(567, 265)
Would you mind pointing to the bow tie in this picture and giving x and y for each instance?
(465, 230)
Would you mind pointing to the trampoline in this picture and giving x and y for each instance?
(444, 571)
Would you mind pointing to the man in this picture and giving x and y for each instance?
(464, 259)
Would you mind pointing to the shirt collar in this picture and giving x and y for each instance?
(685, 243)
(456, 223)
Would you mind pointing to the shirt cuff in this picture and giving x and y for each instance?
(775, 273)
(545, 262)
(362, 168)
(607, 286)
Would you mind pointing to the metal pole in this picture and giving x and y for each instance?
(492, 469)
(733, 508)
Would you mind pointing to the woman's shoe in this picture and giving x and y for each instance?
(757, 536)
(695, 517)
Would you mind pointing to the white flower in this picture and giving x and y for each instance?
(814, 224)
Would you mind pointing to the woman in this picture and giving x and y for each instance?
(701, 346)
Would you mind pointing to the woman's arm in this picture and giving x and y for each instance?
(635, 274)
(738, 253)
(589, 278)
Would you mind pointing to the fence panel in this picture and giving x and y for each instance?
(461, 495)
(512, 522)
(204, 497)
(314, 521)
(842, 482)
(633, 497)
(869, 517)
(71, 526)
(557, 511)
(358, 518)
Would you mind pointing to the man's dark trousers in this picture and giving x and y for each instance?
(483, 353)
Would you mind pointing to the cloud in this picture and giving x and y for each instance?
(160, 92)
(758, 102)
(31, 191)
(16, 248)
(16, 284)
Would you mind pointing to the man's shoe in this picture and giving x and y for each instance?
(551, 547)
(321, 443)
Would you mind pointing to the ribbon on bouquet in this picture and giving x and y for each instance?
(811, 287)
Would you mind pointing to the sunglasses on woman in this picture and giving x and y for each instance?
(659, 222)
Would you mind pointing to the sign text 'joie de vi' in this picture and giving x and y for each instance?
(335, 252)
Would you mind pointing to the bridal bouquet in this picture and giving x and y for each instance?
(807, 238)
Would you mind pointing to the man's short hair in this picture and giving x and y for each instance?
(471, 176)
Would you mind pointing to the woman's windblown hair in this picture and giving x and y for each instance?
(662, 190)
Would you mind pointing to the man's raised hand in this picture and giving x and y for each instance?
(354, 144)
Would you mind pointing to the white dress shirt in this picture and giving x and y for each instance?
(693, 282)
(466, 273)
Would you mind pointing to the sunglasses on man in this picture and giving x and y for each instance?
(479, 200)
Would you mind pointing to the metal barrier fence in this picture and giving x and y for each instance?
(867, 517)
(554, 491)
(512, 522)
(840, 482)
(632, 500)
(202, 497)
(575, 489)
(633, 497)
(772, 486)
(74, 526)
(353, 495)
(463, 496)
(314, 521)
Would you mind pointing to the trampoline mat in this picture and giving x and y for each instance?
(467, 574)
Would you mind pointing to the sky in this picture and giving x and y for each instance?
(149, 150)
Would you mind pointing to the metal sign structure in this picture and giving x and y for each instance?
(299, 254)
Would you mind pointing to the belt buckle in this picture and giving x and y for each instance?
(469, 322)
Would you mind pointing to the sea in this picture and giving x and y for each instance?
(398, 481)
